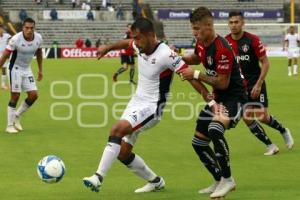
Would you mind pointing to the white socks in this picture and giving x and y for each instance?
(289, 71)
(11, 116)
(23, 107)
(295, 69)
(3, 80)
(139, 167)
(110, 154)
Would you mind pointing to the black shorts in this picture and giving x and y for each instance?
(235, 111)
(127, 59)
(262, 99)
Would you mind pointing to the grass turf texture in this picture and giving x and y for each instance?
(166, 148)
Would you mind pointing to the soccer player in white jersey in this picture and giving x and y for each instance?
(23, 46)
(4, 37)
(292, 44)
(156, 64)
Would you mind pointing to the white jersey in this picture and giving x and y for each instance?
(23, 50)
(292, 40)
(3, 42)
(155, 74)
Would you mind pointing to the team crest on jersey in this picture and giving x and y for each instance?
(245, 48)
(209, 60)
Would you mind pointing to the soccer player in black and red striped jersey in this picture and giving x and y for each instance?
(250, 52)
(127, 59)
(225, 109)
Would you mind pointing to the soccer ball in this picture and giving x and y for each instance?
(51, 169)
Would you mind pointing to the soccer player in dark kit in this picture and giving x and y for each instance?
(225, 109)
(249, 52)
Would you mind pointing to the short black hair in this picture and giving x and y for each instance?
(236, 13)
(28, 20)
(144, 25)
(199, 14)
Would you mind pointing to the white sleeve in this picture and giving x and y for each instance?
(286, 37)
(134, 47)
(173, 61)
(12, 44)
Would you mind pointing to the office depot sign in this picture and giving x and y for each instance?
(85, 53)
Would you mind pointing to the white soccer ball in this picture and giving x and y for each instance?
(51, 169)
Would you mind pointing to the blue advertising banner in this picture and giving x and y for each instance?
(221, 14)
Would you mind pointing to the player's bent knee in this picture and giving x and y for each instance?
(121, 128)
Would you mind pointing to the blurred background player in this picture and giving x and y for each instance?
(127, 59)
(23, 46)
(250, 51)
(4, 37)
(292, 44)
(222, 73)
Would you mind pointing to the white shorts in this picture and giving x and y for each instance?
(21, 80)
(141, 117)
(293, 53)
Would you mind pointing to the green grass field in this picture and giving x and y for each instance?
(166, 148)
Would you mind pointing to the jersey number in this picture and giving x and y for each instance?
(31, 79)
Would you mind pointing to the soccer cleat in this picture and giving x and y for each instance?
(288, 139)
(152, 187)
(272, 149)
(225, 186)
(115, 77)
(17, 124)
(92, 182)
(209, 189)
(11, 129)
(290, 74)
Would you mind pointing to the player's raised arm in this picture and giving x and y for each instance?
(39, 58)
(104, 49)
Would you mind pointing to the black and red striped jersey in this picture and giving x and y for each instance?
(248, 49)
(218, 58)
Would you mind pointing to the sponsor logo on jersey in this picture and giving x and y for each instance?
(225, 66)
(209, 60)
(243, 58)
(245, 48)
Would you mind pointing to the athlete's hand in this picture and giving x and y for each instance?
(187, 74)
(219, 109)
(40, 76)
(101, 51)
(255, 92)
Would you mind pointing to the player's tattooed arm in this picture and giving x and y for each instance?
(104, 49)
(221, 81)
(201, 89)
